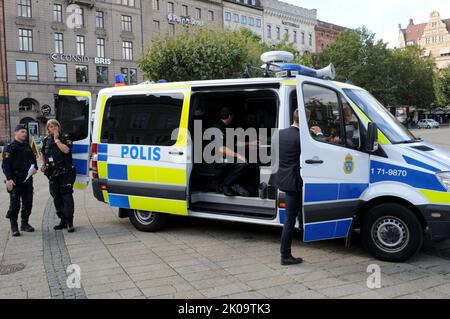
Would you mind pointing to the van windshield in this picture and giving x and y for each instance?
(376, 112)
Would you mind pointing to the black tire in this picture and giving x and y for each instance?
(147, 221)
(392, 232)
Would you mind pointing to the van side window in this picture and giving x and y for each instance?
(351, 124)
(73, 114)
(142, 119)
(323, 112)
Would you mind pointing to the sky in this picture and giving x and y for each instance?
(379, 16)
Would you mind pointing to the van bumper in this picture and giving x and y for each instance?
(96, 189)
(438, 221)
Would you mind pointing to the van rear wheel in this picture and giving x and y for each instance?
(147, 221)
(392, 232)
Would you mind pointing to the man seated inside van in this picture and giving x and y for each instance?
(232, 184)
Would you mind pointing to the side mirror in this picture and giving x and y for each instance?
(372, 138)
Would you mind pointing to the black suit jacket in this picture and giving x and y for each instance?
(288, 178)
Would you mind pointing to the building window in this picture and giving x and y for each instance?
(127, 50)
(102, 75)
(27, 105)
(21, 70)
(184, 10)
(210, 15)
(60, 71)
(100, 47)
(303, 37)
(310, 40)
(295, 36)
(236, 17)
(59, 43)
(156, 5)
(25, 40)
(82, 73)
(227, 16)
(80, 45)
(99, 20)
(133, 76)
(258, 23)
(129, 3)
(127, 24)
(156, 27)
(278, 33)
(251, 21)
(198, 13)
(24, 8)
(79, 17)
(170, 7)
(33, 70)
(124, 72)
(57, 13)
(171, 29)
(269, 31)
(286, 34)
(243, 20)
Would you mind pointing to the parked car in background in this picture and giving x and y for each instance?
(427, 123)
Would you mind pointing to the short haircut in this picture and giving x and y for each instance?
(225, 113)
(296, 118)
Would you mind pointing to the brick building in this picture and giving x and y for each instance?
(4, 105)
(326, 33)
(433, 37)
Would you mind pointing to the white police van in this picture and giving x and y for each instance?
(361, 168)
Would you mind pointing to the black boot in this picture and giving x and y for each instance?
(26, 227)
(62, 225)
(70, 227)
(15, 230)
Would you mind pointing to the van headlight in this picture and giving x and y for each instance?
(445, 179)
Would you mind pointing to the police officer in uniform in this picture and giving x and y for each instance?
(18, 158)
(57, 156)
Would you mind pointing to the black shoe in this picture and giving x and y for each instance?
(241, 191)
(227, 191)
(70, 227)
(15, 231)
(62, 225)
(26, 228)
(291, 261)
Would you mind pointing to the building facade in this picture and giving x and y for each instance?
(162, 17)
(286, 22)
(67, 44)
(326, 34)
(4, 105)
(433, 37)
(244, 14)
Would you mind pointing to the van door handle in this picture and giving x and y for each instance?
(314, 161)
(176, 153)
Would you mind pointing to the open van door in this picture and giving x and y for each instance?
(334, 166)
(73, 111)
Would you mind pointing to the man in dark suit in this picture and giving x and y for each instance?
(288, 180)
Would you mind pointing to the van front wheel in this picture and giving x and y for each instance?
(147, 221)
(392, 232)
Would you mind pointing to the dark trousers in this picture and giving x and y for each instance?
(234, 174)
(61, 189)
(21, 193)
(293, 206)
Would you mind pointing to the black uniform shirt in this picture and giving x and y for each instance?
(54, 155)
(222, 127)
(17, 160)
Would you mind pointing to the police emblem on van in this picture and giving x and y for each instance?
(349, 165)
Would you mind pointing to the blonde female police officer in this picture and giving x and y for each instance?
(57, 156)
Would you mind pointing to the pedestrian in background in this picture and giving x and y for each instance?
(59, 169)
(19, 165)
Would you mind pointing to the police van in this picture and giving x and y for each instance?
(361, 168)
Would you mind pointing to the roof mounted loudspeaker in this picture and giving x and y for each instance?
(278, 61)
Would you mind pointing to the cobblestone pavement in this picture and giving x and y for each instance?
(195, 258)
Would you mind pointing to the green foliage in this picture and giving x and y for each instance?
(442, 87)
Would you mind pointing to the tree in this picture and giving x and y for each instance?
(442, 87)
(199, 54)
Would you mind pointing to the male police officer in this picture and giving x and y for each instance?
(18, 162)
(57, 156)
